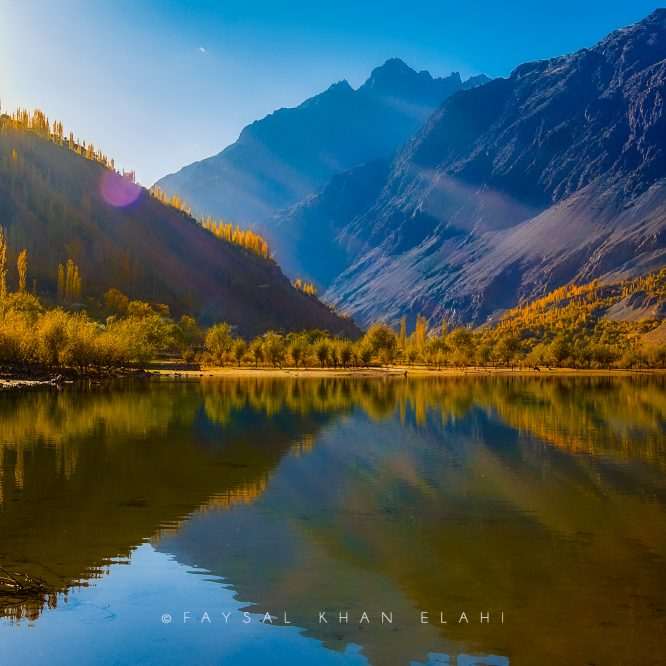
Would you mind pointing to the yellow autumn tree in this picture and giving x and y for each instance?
(22, 267)
(402, 336)
(3, 264)
(306, 287)
(72, 282)
(37, 122)
(420, 331)
(244, 238)
(69, 282)
(61, 282)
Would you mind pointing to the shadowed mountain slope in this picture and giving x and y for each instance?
(56, 204)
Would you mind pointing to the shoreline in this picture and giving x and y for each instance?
(20, 382)
(395, 371)
(57, 379)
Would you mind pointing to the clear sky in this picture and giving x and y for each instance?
(157, 84)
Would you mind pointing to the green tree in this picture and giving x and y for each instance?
(297, 350)
(323, 351)
(364, 353)
(218, 340)
(274, 350)
(604, 355)
(239, 350)
(192, 332)
(412, 355)
(256, 351)
(559, 350)
(345, 353)
(383, 342)
(116, 302)
(507, 348)
(461, 343)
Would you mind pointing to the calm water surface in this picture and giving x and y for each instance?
(167, 519)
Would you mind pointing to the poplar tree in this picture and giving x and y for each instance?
(61, 282)
(420, 331)
(3, 264)
(22, 267)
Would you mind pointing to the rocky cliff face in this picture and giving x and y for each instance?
(556, 173)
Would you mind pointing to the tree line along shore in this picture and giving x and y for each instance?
(118, 334)
(568, 328)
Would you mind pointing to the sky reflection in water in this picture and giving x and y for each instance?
(540, 498)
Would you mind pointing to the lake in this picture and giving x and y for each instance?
(464, 521)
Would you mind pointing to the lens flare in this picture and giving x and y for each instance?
(117, 190)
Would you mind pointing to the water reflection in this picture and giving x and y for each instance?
(541, 498)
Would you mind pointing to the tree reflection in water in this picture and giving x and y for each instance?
(543, 497)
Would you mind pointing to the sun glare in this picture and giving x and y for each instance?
(117, 190)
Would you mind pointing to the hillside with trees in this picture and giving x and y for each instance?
(86, 229)
(573, 327)
(590, 326)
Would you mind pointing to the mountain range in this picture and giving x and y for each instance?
(554, 174)
(290, 153)
(410, 195)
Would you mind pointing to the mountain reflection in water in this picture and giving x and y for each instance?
(540, 498)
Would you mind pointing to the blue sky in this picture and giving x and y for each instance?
(159, 84)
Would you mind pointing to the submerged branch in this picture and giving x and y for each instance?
(20, 585)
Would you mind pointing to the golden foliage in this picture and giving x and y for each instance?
(37, 122)
(174, 201)
(22, 269)
(69, 282)
(306, 287)
(247, 238)
(3, 265)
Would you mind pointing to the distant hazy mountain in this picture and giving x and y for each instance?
(55, 203)
(556, 173)
(290, 153)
